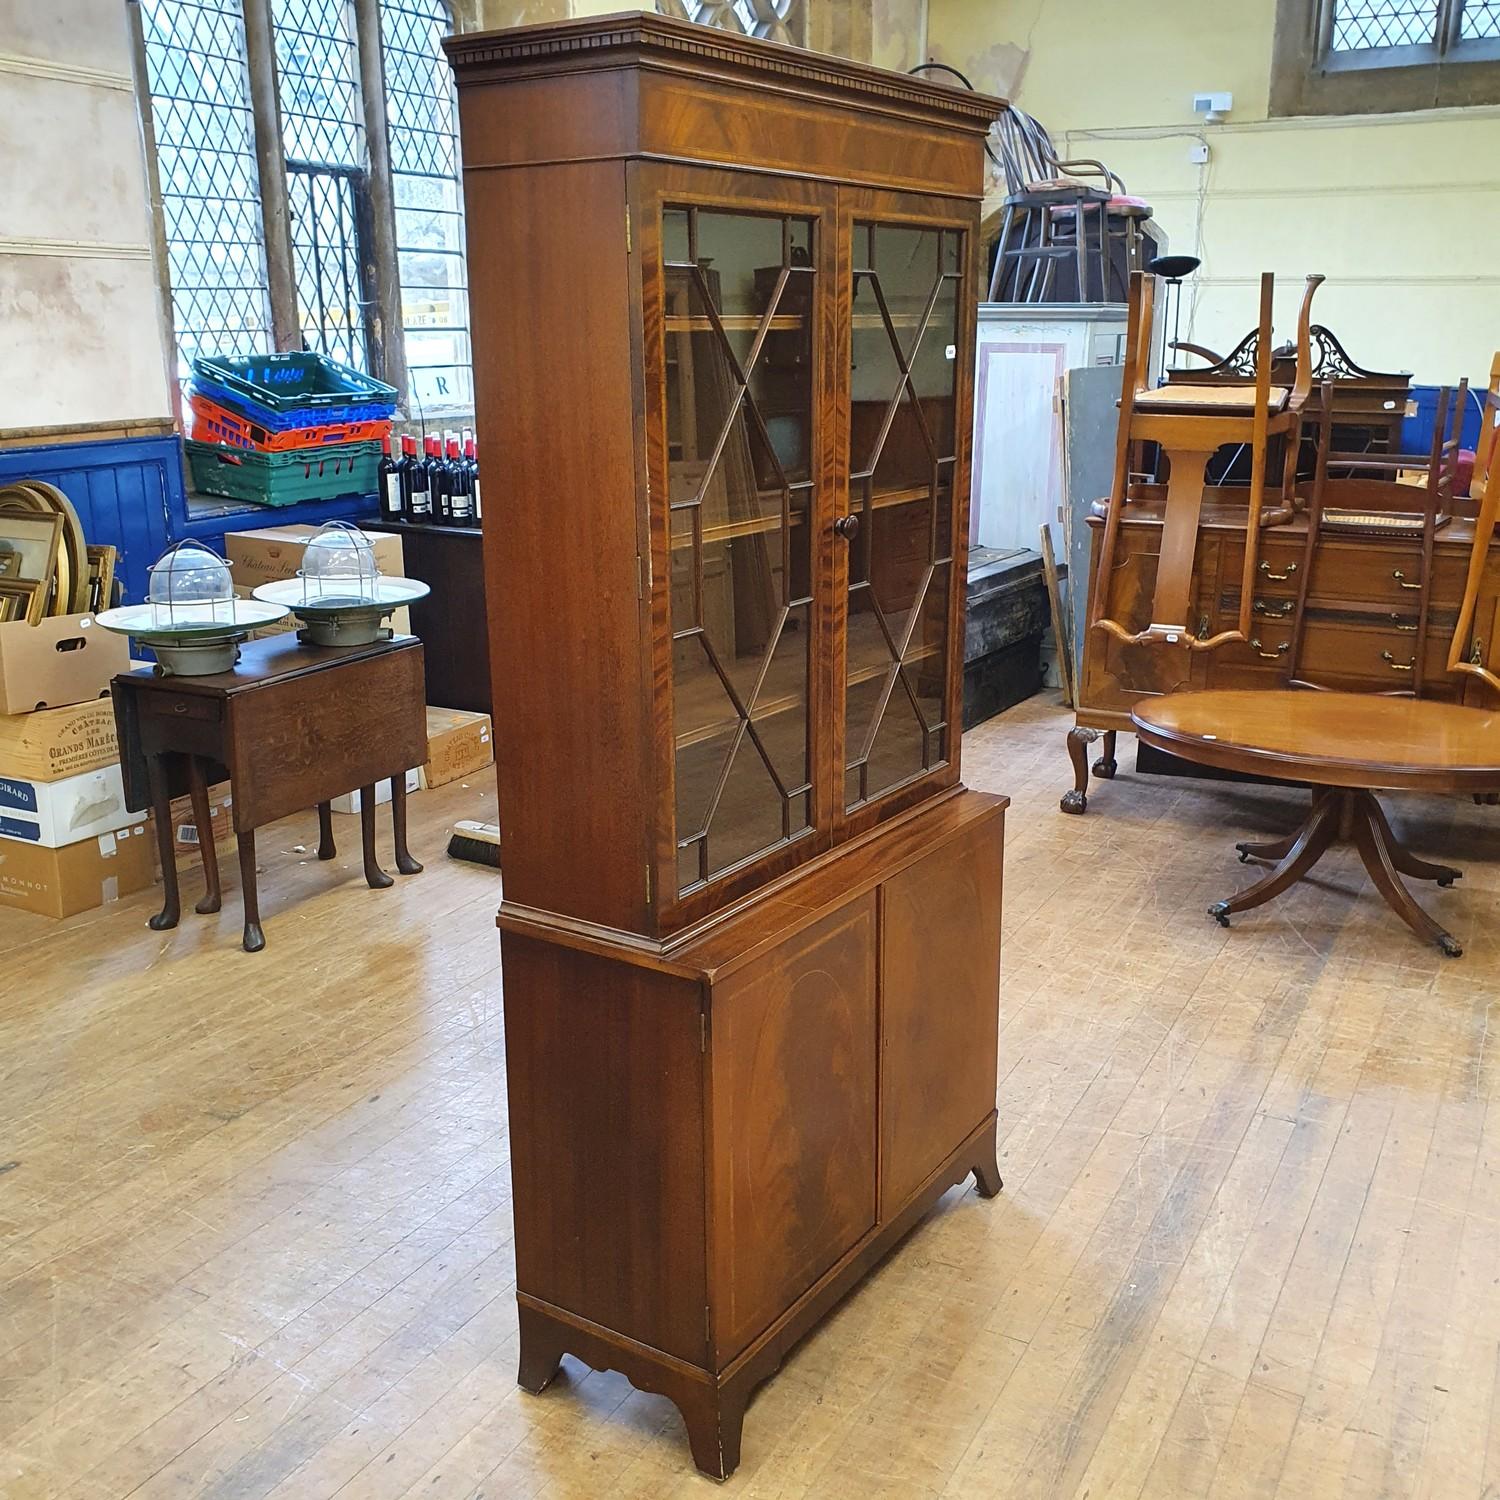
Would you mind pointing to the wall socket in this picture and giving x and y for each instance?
(1198, 153)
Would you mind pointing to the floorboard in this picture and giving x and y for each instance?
(255, 1234)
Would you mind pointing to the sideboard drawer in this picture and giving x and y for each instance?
(1336, 654)
(1359, 572)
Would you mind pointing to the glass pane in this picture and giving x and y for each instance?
(422, 126)
(1358, 24)
(322, 119)
(902, 441)
(738, 366)
(1481, 18)
(210, 188)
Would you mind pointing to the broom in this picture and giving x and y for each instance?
(479, 843)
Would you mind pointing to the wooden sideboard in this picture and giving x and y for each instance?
(1361, 617)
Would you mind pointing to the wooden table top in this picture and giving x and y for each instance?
(271, 658)
(1330, 739)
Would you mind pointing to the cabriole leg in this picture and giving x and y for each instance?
(1079, 739)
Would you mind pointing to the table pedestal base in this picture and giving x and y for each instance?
(1348, 816)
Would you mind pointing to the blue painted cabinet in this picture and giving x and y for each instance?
(130, 493)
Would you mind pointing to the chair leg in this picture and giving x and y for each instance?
(1081, 250)
(997, 276)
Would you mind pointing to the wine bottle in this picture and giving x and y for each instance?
(389, 473)
(471, 462)
(418, 485)
(461, 502)
(432, 464)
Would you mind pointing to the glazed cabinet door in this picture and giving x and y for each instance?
(792, 1150)
(735, 276)
(906, 353)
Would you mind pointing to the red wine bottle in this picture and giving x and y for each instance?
(389, 472)
(461, 498)
(437, 486)
(471, 462)
(418, 489)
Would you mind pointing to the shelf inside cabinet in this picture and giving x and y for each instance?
(706, 693)
(735, 323)
(758, 525)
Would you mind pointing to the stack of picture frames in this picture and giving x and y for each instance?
(46, 565)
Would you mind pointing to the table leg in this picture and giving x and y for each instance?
(404, 862)
(326, 849)
(375, 877)
(161, 812)
(1404, 861)
(1308, 846)
(254, 939)
(1380, 863)
(213, 896)
(1278, 849)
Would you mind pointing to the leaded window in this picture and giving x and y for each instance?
(776, 20)
(210, 189)
(227, 294)
(422, 126)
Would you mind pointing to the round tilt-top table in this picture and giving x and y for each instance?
(1347, 746)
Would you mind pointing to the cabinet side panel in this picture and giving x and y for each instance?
(793, 1085)
(556, 415)
(604, 1074)
(940, 1001)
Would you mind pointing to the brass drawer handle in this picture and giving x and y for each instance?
(1265, 568)
(1405, 629)
(1400, 578)
(1281, 650)
(1397, 666)
(1476, 656)
(1261, 607)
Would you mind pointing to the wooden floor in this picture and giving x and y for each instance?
(255, 1238)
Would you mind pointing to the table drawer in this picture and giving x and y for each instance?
(165, 704)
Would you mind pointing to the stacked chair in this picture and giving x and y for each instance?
(1188, 425)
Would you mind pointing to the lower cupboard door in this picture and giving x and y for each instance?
(940, 1004)
(793, 1118)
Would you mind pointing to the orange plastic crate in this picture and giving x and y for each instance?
(210, 422)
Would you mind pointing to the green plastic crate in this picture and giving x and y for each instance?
(284, 478)
(294, 380)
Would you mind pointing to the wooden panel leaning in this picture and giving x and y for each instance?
(1190, 423)
(1465, 654)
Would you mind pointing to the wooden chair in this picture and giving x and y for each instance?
(1190, 423)
(1366, 500)
(1048, 209)
(1484, 488)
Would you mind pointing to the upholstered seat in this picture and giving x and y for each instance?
(1226, 400)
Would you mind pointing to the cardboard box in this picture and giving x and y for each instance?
(458, 745)
(399, 620)
(349, 802)
(54, 813)
(62, 660)
(76, 877)
(185, 831)
(57, 742)
(273, 552)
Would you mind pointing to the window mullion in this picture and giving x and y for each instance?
(390, 341)
(1449, 25)
(265, 108)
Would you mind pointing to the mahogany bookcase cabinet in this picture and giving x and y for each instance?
(723, 311)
